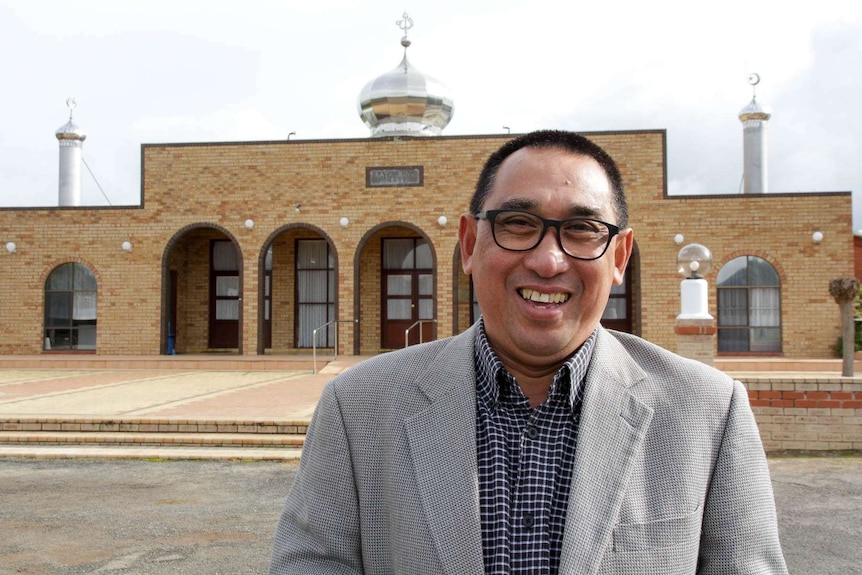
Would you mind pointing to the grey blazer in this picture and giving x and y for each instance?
(669, 476)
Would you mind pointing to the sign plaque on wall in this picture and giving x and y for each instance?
(394, 177)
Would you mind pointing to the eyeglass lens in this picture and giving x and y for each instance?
(522, 231)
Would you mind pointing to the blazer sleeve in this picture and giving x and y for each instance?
(740, 531)
(319, 531)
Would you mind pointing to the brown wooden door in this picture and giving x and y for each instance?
(407, 292)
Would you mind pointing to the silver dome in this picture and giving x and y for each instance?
(405, 102)
(70, 131)
(754, 111)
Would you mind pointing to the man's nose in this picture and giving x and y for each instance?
(548, 258)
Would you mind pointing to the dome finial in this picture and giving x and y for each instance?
(754, 80)
(71, 103)
(405, 24)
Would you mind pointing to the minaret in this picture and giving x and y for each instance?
(754, 120)
(71, 139)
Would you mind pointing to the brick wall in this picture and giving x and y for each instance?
(815, 413)
(216, 187)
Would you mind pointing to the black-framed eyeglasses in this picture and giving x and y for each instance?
(521, 231)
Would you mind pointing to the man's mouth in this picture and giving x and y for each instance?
(541, 297)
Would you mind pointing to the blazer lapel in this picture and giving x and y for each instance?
(612, 427)
(442, 442)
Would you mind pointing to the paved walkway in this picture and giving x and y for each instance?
(159, 396)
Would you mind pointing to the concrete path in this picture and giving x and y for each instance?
(50, 400)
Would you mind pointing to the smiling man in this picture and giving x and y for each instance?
(536, 441)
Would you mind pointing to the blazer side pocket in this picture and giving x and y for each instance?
(669, 532)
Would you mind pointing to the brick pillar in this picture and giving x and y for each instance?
(695, 339)
(695, 327)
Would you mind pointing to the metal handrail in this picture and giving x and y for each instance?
(407, 331)
(314, 339)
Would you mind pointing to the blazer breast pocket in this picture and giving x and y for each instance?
(675, 531)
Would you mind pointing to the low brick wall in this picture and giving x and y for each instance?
(811, 413)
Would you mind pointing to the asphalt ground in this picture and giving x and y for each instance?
(75, 516)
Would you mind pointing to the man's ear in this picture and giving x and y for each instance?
(467, 241)
(622, 253)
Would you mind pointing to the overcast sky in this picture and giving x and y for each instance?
(159, 71)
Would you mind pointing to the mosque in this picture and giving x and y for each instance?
(350, 245)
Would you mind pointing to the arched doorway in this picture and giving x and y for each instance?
(202, 291)
(397, 268)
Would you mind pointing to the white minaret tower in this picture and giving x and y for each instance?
(754, 120)
(71, 139)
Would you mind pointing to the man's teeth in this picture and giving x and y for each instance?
(539, 297)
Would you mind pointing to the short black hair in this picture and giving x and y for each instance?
(562, 140)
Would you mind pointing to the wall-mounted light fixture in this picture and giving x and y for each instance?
(11, 247)
(678, 239)
(344, 222)
(442, 221)
(817, 237)
(127, 246)
(297, 207)
(249, 224)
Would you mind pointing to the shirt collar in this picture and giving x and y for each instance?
(490, 370)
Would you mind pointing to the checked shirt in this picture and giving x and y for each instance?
(525, 458)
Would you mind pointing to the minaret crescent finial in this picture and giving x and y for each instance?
(71, 103)
(754, 80)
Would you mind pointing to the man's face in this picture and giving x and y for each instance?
(554, 184)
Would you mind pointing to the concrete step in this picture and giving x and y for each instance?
(144, 425)
(77, 451)
(95, 438)
(246, 440)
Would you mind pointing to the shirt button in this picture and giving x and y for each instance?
(532, 432)
(528, 520)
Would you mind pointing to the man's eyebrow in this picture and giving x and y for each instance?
(577, 211)
(519, 204)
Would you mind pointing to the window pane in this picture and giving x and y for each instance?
(732, 339)
(733, 273)
(85, 306)
(765, 307)
(426, 309)
(399, 309)
(426, 284)
(58, 309)
(311, 317)
(267, 261)
(398, 254)
(732, 307)
(312, 255)
(399, 285)
(227, 309)
(225, 256)
(59, 339)
(761, 273)
(227, 286)
(765, 339)
(424, 259)
(86, 337)
(616, 309)
(312, 286)
(60, 278)
(84, 278)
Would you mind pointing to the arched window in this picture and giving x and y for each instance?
(70, 308)
(749, 306)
